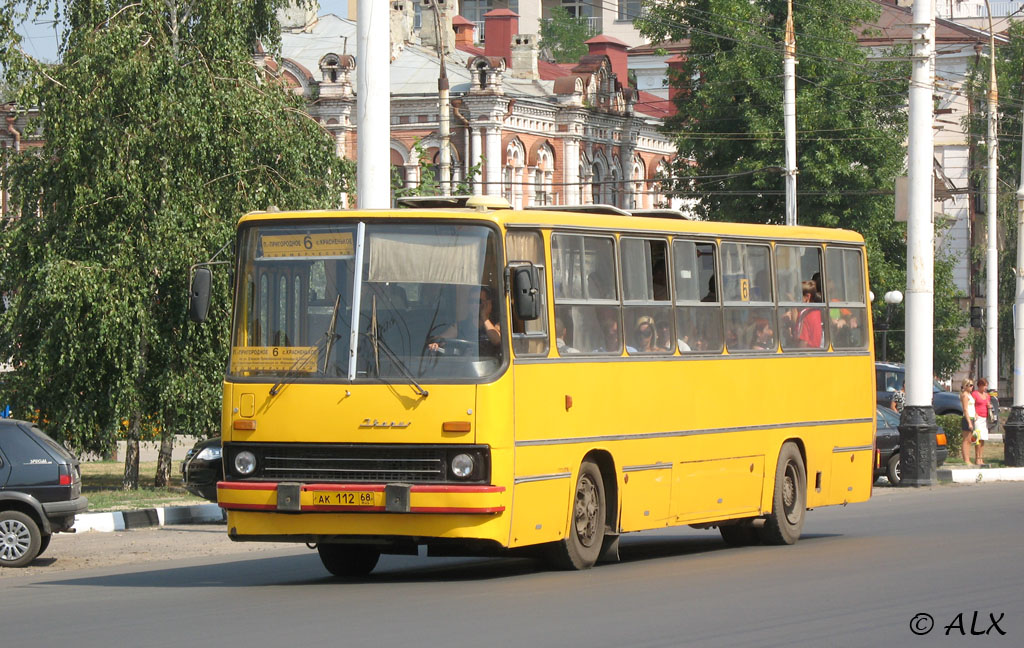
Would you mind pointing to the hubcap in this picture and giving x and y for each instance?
(15, 540)
(587, 505)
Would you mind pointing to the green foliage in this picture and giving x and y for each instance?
(851, 128)
(159, 133)
(950, 426)
(429, 184)
(564, 36)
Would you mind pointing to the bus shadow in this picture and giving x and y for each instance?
(652, 547)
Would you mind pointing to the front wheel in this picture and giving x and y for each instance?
(347, 560)
(893, 470)
(789, 502)
(582, 545)
(19, 539)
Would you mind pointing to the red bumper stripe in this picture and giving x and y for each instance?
(372, 488)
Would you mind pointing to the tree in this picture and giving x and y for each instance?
(851, 124)
(564, 36)
(160, 131)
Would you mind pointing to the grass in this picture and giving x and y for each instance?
(101, 483)
(993, 455)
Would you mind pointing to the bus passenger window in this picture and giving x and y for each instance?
(845, 293)
(801, 308)
(529, 337)
(698, 312)
(586, 294)
(749, 305)
(645, 296)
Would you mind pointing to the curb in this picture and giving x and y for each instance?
(122, 520)
(978, 475)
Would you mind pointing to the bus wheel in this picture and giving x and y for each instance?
(348, 561)
(739, 535)
(582, 545)
(789, 502)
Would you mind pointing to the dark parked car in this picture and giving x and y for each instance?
(889, 377)
(887, 445)
(40, 491)
(202, 469)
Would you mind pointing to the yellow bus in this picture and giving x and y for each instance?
(476, 379)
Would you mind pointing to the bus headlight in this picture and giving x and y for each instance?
(245, 463)
(462, 465)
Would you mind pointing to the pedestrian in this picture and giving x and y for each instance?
(967, 424)
(899, 400)
(982, 403)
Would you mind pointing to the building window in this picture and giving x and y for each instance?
(630, 9)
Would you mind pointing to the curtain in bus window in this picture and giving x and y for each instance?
(698, 311)
(586, 295)
(801, 306)
(415, 256)
(749, 305)
(529, 338)
(846, 299)
(647, 308)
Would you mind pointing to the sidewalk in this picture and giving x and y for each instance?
(974, 475)
(151, 517)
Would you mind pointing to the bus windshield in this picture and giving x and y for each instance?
(428, 302)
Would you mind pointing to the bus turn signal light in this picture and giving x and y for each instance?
(456, 426)
(244, 425)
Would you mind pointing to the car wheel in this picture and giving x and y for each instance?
(44, 542)
(348, 560)
(582, 545)
(789, 501)
(739, 535)
(19, 539)
(893, 470)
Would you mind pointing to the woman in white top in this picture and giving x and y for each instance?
(967, 425)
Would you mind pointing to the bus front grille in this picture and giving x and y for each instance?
(348, 463)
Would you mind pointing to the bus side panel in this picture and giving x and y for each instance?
(718, 489)
(645, 498)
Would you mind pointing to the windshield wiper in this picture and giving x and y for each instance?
(380, 345)
(326, 341)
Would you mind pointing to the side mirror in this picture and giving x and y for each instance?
(525, 292)
(199, 295)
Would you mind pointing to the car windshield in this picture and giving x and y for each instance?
(888, 417)
(421, 300)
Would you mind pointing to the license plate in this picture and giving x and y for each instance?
(344, 498)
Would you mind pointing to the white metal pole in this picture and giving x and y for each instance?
(1018, 301)
(920, 231)
(991, 265)
(789, 111)
(373, 104)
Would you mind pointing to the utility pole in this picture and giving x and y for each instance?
(789, 112)
(444, 119)
(991, 269)
(373, 104)
(917, 423)
(1013, 429)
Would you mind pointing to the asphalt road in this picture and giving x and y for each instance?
(860, 576)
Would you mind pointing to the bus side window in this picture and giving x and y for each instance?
(749, 305)
(698, 311)
(801, 307)
(529, 337)
(845, 292)
(586, 293)
(647, 308)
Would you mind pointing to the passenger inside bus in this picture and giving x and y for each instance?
(562, 341)
(810, 331)
(484, 328)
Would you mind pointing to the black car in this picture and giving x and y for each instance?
(40, 491)
(887, 445)
(889, 378)
(202, 469)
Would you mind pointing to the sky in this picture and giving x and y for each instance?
(41, 35)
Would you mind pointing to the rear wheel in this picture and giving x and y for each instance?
(893, 470)
(582, 545)
(789, 502)
(19, 539)
(348, 561)
(44, 542)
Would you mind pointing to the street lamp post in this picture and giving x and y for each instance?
(892, 299)
(991, 272)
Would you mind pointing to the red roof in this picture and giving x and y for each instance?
(653, 105)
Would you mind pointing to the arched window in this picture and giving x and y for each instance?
(542, 177)
(512, 184)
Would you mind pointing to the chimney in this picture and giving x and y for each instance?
(298, 17)
(428, 24)
(401, 22)
(524, 57)
(675, 79)
(464, 31)
(615, 50)
(499, 26)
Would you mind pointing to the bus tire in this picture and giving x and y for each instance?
(789, 501)
(739, 535)
(348, 560)
(582, 545)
